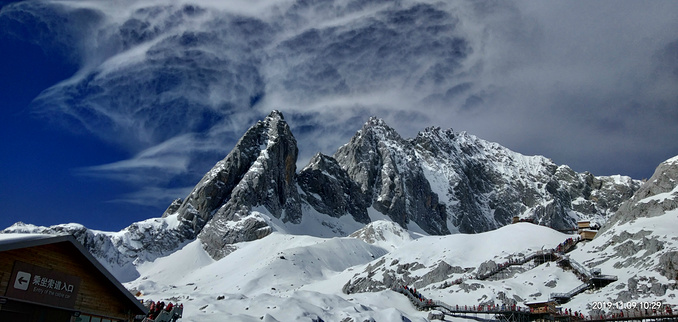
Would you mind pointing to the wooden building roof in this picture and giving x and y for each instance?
(9, 242)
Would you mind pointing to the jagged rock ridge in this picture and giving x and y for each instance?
(259, 171)
(439, 182)
(121, 251)
(641, 235)
(454, 182)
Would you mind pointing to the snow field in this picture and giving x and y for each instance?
(290, 277)
(264, 277)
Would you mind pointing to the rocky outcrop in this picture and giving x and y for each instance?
(636, 235)
(388, 276)
(657, 196)
(329, 190)
(387, 170)
(445, 181)
(385, 234)
(668, 265)
(259, 172)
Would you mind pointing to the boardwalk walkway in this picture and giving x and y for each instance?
(519, 314)
(540, 256)
(590, 279)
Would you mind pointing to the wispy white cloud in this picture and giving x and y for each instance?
(177, 82)
(153, 196)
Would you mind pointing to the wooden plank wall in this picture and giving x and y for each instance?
(96, 296)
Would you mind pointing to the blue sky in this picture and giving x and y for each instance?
(39, 184)
(111, 112)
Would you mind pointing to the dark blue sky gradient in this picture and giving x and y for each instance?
(38, 182)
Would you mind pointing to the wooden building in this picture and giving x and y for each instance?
(584, 224)
(545, 307)
(588, 234)
(52, 278)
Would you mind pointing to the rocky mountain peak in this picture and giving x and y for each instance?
(437, 183)
(375, 121)
(264, 180)
(259, 172)
(275, 114)
(654, 198)
(376, 130)
(385, 167)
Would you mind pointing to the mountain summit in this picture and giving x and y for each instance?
(259, 172)
(438, 183)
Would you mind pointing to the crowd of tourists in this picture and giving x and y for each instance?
(417, 298)
(565, 246)
(156, 309)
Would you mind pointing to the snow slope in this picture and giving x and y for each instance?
(657, 237)
(295, 278)
(262, 277)
(287, 276)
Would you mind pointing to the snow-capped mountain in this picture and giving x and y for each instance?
(438, 183)
(640, 243)
(278, 264)
(291, 277)
(445, 182)
(259, 172)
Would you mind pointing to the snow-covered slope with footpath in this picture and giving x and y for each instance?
(285, 277)
(639, 244)
(295, 278)
(302, 284)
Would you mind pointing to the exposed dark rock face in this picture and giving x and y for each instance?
(440, 182)
(260, 171)
(173, 207)
(387, 170)
(328, 188)
(648, 247)
(663, 181)
(668, 265)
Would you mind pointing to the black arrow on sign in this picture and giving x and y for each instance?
(22, 280)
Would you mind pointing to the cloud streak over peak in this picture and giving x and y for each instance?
(175, 83)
